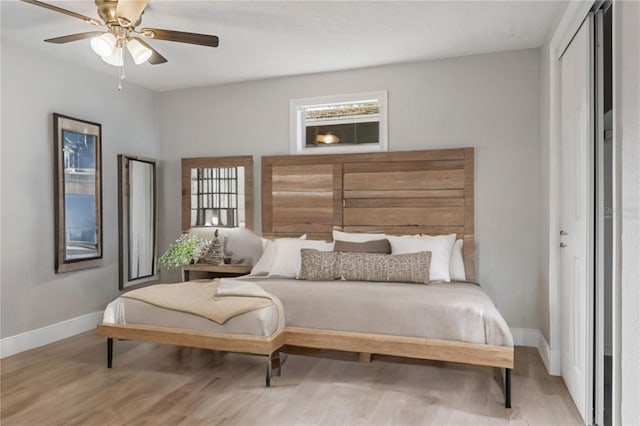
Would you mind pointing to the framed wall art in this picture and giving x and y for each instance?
(77, 193)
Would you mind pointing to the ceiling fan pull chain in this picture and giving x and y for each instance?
(121, 75)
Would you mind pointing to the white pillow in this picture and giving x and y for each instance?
(456, 267)
(356, 237)
(286, 259)
(440, 247)
(263, 266)
(244, 246)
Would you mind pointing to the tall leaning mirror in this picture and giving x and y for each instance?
(217, 192)
(137, 206)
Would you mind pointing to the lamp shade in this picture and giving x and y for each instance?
(139, 52)
(115, 58)
(104, 45)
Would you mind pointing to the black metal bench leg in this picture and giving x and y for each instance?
(268, 378)
(109, 352)
(507, 388)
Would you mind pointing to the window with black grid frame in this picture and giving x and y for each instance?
(215, 196)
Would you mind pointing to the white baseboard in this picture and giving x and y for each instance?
(534, 339)
(525, 337)
(52, 333)
(550, 357)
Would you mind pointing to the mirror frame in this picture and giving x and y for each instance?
(245, 161)
(124, 202)
(60, 124)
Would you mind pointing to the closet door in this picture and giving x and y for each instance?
(576, 216)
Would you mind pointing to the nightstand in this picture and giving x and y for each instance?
(216, 271)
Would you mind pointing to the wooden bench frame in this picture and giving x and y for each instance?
(269, 346)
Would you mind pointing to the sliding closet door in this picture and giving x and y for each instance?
(576, 217)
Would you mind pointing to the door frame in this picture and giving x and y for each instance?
(569, 24)
(573, 17)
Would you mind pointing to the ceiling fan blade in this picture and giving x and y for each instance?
(180, 37)
(155, 58)
(64, 11)
(130, 10)
(74, 37)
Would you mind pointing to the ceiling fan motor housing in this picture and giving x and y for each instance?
(107, 12)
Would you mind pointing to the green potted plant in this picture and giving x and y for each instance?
(188, 248)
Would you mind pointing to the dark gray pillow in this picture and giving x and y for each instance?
(318, 265)
(410, 267)
(374, 246)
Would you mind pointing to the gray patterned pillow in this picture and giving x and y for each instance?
(319, 265)
(410, 267)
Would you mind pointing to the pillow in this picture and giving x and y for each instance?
(356, 237)
(286, 258)
(411, 267)
(319, 265)
(440, 247)
(373, 246)
(263, 266)
(456, 266)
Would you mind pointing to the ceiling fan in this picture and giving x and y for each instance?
(120, 19)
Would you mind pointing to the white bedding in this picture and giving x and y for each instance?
(457, 311)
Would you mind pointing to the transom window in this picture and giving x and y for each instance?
(341, 123)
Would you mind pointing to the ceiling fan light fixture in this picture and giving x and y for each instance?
(104, 45)
(116, 58)
(138, 51)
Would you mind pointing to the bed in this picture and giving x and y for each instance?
(397, 193)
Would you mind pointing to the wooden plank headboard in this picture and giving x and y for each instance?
(397, 193)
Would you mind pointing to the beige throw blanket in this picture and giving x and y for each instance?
(212, 299)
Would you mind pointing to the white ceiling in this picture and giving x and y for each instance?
(262, 39)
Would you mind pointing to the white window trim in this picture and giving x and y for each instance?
(297, 130)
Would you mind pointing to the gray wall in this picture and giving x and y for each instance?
(34, 85)
(627, 125)
(490, 102)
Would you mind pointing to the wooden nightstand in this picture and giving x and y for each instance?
(216, 271)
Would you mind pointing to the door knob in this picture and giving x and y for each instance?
(562, 245)
(563, 233)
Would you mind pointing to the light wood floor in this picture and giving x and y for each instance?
(67, 383)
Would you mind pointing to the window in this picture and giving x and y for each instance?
(217, 195)
(339, 124)
(217, 192)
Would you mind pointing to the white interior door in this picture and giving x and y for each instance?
(576, 216)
